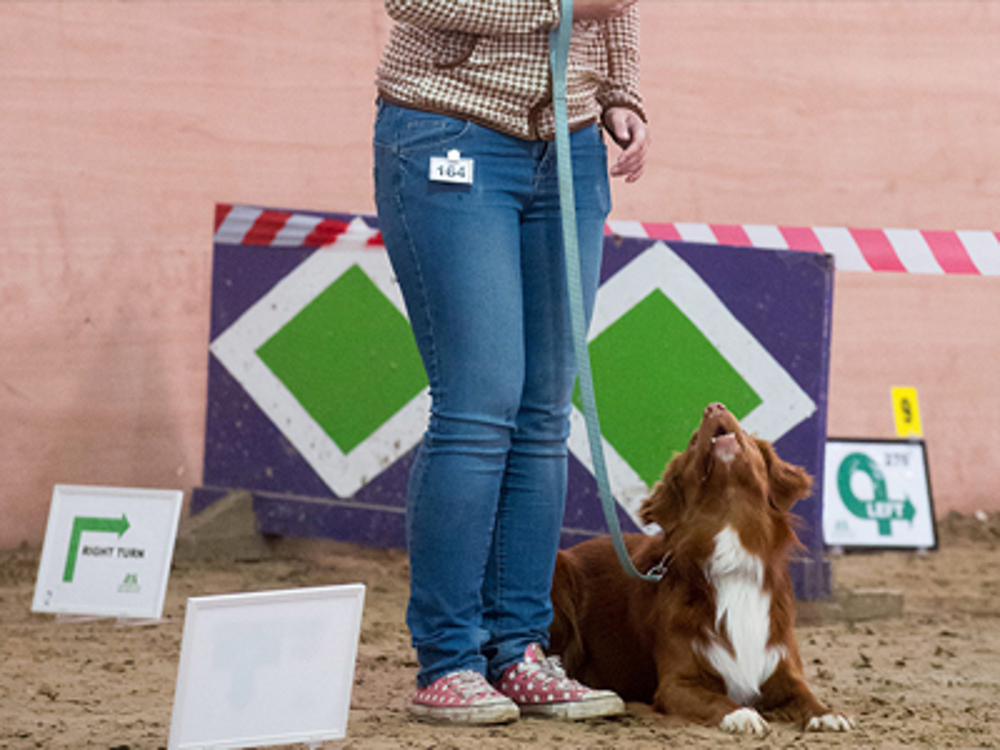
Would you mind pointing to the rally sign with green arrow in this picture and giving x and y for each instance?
(879, 507)
(107, 551)
(82, 524)
(877, 494)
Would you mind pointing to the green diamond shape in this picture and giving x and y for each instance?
(654, 373)
(349, 359)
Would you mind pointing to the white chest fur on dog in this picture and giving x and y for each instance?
(743, 617)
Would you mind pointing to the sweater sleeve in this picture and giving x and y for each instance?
(487, 17)
(621, 86)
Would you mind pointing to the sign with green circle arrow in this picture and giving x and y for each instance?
(877, 494)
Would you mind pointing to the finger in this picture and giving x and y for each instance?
(630, 164)
(634, 176)
(634, 154)
(630, 170)
(623, 133)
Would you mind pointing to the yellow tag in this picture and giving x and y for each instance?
(907, 412)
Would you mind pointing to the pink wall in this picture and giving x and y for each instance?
(121, 125)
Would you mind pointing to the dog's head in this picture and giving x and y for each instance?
(726, 476)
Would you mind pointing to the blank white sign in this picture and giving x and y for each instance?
(267, 668)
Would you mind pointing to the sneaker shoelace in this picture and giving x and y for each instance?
(549, 672)
(470, 685)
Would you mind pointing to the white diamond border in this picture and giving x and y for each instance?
(236, 348)
(784, 404)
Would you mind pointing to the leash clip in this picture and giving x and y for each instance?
(660, 569)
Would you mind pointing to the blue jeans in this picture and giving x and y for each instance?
(482, 272)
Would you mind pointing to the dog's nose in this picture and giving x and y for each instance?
(715, 409)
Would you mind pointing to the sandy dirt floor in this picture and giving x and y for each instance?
(927, 679)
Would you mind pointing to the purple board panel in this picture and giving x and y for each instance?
(775, 303)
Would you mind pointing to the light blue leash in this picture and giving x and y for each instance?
(559, 59)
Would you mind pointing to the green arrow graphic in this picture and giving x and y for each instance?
(880, 508)
(81, 524)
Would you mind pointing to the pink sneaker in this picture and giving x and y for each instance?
(463, 698)
(539, 686)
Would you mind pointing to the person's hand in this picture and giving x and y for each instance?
(599, 10)
(631, 133)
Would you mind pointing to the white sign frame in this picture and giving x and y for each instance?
(877, 495)
(267, 668)
(107, 551)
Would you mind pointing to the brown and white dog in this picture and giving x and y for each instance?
(713, 641)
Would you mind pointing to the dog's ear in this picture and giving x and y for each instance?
(789, 483)
(666, 502)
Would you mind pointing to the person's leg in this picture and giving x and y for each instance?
(518, 609)
(455, 250)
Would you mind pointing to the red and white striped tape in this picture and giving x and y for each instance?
(900, 250)
(267, 227)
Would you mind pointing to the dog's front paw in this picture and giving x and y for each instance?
(744, 721)
(830, 723)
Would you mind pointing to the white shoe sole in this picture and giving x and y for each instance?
(499, 712)
(597, 707)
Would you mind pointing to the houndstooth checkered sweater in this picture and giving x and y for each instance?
(488, 61)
